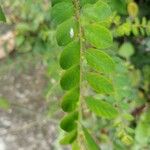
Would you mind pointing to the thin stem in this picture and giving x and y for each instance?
(77, 15)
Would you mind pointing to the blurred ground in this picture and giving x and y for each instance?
(25, 125)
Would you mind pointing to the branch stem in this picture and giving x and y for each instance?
(77, 16)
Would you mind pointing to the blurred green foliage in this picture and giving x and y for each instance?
(34, 43)
(2, 16)
(33, 24)
(4, 104)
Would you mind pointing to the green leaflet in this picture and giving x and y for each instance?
(70, 100)
(70, 78)
(70, 55)
(126, 50)
(98, 36)
(62, 11)
(69, 138)
(83, 2)
(75, 145)
(128, 117)
(101, 108)
(100, 60)
(66, 32)
(54, 2)
(68, 123)
(91, 144)
(119, 6)
(2, 16)
(98, 12)
(142, 131)
(99, 83)
(121, 83)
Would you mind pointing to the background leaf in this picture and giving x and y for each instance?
(75, 145)
(91, 144)
(2, 16)
(142, 132)
(126, 50)
(69, 138)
